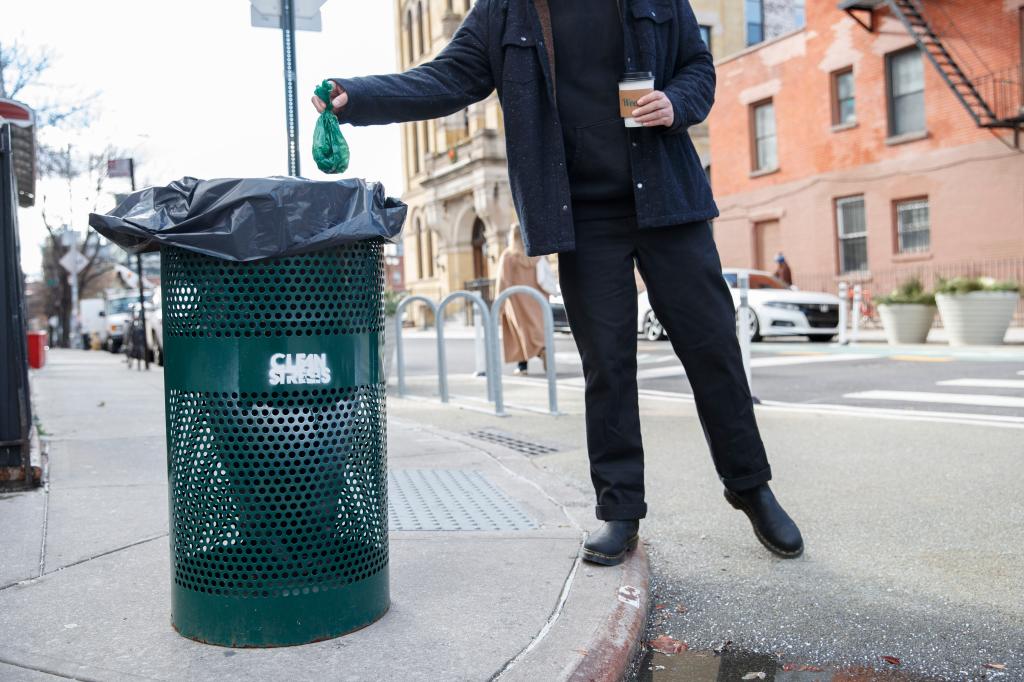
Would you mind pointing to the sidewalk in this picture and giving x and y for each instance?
(84, 576)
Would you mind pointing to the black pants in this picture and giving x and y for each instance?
(681, 268)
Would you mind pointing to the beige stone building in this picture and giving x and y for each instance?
(460, 206)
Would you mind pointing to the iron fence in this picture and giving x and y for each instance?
(880, 282)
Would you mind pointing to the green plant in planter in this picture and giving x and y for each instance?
(966, 285)
(391, 300)
(911, 292)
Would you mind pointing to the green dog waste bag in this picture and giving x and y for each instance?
(330, 151)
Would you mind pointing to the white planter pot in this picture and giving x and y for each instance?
(979, 318)
(389, 347)
(906, 322)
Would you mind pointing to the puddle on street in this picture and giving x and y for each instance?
(734, 666)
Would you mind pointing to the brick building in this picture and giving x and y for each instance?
(878, 142)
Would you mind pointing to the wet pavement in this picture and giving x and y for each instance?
(708, 666)
(667, 656)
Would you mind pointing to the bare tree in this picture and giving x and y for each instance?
(71, 168)
(23, 69)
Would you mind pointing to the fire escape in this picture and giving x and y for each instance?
(994, 99)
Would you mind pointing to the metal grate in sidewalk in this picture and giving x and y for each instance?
(530, 448)
(450, 499)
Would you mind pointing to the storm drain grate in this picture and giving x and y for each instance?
(450, 499)
(513, 442)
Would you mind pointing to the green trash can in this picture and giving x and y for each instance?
(276, 444)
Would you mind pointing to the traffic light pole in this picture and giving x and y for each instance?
(15, 408)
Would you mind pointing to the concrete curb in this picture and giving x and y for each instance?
(612, 648)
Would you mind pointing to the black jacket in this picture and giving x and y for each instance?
(501, 45)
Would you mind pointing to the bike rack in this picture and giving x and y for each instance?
(442, 359)
(549, 346)
(399, 351)
(490, 318)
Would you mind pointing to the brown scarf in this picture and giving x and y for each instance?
(544, 13)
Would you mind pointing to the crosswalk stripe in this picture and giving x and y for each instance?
(774, 361)
(944, 398)
(984, 383)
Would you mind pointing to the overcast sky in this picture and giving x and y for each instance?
(192, 89)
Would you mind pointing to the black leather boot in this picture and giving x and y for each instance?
(609, 544)
(772, 524)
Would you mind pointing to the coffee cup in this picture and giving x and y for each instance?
(633, 86)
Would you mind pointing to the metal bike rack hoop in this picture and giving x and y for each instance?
(549, 345)
(442, 360)
(399, 351)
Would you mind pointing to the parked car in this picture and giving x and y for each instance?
(779, 309)
(558, 312)
(118, 315)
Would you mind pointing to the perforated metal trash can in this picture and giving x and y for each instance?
(276, 445)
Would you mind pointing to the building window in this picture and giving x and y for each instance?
(853, 235)
(913, 226)
(905, 75)
(419, 249)
(429, 252)
(765, 141)
(415, 148)
(419, 29)
(844, 111)
(755, 21)
(410, 46)
(705, 35)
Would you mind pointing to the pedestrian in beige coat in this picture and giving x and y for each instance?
(522, 320)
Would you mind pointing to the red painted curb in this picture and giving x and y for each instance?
(612, 648)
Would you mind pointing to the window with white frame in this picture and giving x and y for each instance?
(913, 226)
(853, 234)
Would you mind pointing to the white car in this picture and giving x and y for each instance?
(779, 310)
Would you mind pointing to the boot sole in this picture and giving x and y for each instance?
(608, 559)
(737, 503)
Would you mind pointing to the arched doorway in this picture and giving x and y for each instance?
(479, 249)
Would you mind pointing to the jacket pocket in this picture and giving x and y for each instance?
(658, 11)
(599, 163)
(521, 64)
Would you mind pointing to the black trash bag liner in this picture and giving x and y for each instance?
(246, 219)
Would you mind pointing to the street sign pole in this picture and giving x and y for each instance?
(290, 77)
(290, 16)
(142, 292)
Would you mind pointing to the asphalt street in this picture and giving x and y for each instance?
(929, 381)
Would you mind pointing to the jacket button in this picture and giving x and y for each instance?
(634, 144)
(523, 38)
(565, 207)
(639, 185)
(653, 14)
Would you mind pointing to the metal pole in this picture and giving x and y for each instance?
(290, 97)
(76, 326)
(844, 289)
(15, 408)
(858, 297)
(743, 328)
(142, 292)
(480, 349)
